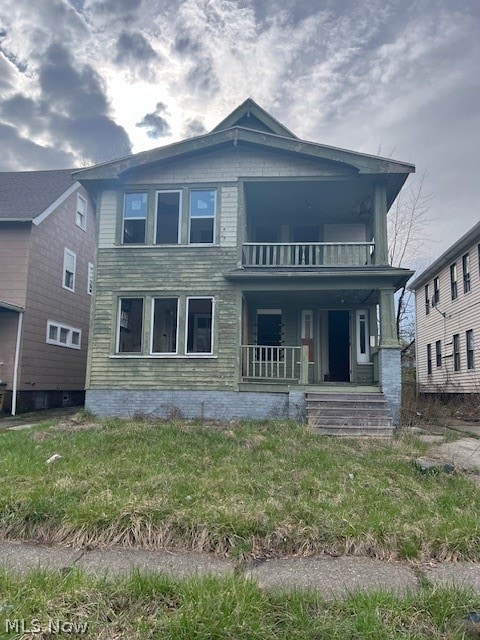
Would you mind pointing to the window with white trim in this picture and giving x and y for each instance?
(199, 327)
(168, 216)
(164, 326)
(81, 214)
(90, 279)
(69, 265)
(130, 325)
(363, 337)
(135, 208)
(63, 335)
(470, 349)
(203, 205)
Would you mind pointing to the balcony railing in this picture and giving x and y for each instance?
(277, 364)
(308, 254)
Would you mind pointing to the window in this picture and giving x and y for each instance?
(135, 217)
(63, 335)
(438, 353)
(69, 262)
(363, 347)
(167, 220)
(90, 279)
(436, 291)
(466, 273)
(164, 325)
(81, 215)
(429, 359)
(470, 349)
(456, 352)
(203, 204)
(453, 280)
(427, 301)
(130, 325)
(199, 325)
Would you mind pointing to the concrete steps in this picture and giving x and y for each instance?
(349, 414)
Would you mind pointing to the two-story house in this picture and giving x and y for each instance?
(241, 270)
(447, 299)
(47, 246)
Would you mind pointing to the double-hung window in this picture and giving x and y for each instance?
(135, 208)
(81, 214)
(168, 216)
(456, 352)
(438, 353)
(470, 349)
(69, 265)
(203, 206)
(466, 273)
(436, 291)
(429, 359)
(427, 301)
(453, 280)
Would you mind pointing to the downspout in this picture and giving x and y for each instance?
(17, 361)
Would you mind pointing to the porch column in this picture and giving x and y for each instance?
(380, 223)
(389, 366)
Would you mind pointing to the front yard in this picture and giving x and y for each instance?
(247, 490)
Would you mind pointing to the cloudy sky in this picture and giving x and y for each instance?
(84, 81)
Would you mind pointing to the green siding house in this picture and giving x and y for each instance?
(239, 271)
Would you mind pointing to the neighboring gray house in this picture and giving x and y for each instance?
(447, 312)
(245, 273)
(47, 243)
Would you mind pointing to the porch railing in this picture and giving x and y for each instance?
(308, 254)
(279, 364)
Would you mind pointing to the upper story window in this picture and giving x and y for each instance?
(203, 205)
(63, 336)
(168, 215)
(466, 273)
(427, 301)
(436, 291)
(135, 217)
(453, 281)
(81, 214)
(69, 265)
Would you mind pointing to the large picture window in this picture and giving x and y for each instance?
(199, 325)
(130, 325)
(203, 205)
(165, 325)
(135, 217)
(167, 220)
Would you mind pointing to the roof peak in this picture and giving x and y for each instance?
(251, 115)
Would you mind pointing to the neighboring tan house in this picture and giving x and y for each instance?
(47, 244)
(239, 271)
(447, 308)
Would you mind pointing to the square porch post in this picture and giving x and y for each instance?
(389, 366)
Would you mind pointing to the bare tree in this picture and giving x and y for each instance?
(408, 233)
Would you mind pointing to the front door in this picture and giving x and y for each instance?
(339, 346)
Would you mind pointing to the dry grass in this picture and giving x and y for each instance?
(249, 489)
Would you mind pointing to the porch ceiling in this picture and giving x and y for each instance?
(334, 299)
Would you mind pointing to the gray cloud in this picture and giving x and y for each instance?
(155, 123)
(133, 47)
(21, 154)
(116, 7)
(193, 127)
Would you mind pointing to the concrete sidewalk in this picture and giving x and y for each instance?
(330, 576)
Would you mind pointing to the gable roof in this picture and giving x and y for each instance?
(250, 115)
(235, 135)
(24, 195)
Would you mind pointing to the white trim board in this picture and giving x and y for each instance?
(41, 217)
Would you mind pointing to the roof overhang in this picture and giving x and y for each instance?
(6, 306)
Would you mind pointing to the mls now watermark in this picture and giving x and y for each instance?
(22, 625)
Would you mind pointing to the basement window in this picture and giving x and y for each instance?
(165, 325)
(135, 217)
(203, 205)
(199, 326)
(130, 325)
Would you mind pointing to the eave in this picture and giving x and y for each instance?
(11, 307)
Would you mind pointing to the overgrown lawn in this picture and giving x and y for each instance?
(256, 489)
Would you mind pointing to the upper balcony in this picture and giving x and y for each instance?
(308, 254)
